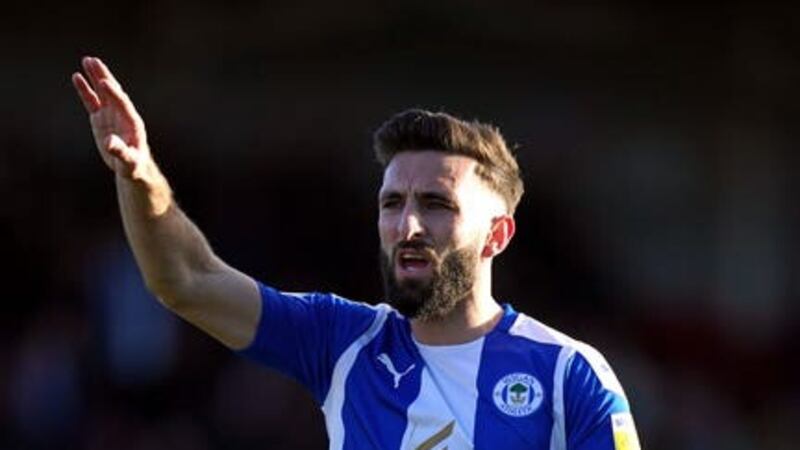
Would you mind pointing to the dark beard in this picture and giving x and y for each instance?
(435, 298)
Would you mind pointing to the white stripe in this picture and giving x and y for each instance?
(601, 368)
(558, 437)
(534, 330)
(334, 401)
(448, 394)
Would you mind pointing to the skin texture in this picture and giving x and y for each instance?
(437, 199)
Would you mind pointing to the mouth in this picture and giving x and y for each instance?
(413, 263)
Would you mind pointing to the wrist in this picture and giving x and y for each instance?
(150, 187)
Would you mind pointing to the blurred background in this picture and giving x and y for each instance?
(659, 222)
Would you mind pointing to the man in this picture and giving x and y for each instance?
(445, 366)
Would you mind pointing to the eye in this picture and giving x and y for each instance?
(438, 204)
(390, 203)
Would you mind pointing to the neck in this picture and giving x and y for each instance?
(473, 317)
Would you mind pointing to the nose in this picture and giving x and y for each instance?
(410, 224)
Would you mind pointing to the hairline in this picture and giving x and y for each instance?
(475, 170)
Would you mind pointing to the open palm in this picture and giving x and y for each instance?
(118, 130)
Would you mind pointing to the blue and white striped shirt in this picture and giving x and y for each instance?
(521, 386)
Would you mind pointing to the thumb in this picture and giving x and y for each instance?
(119, 149)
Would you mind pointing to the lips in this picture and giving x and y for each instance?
(411, 262)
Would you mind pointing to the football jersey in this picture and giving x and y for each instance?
(521, 386)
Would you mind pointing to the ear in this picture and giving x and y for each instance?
(503, 228)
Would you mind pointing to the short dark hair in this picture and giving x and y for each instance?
(418, 130)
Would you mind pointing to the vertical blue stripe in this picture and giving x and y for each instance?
(335, 400)
(374, 406)
(504, 354)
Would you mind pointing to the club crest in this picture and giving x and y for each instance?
(518, 394)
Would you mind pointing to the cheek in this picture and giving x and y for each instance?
(467, 234)
(386, 230)
(449, 231)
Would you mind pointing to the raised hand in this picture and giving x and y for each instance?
(174, 257)
(119, 131)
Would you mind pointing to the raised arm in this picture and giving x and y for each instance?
(177, 263)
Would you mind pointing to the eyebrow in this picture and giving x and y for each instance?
(426, 195)
(389, 194)
(435, 196)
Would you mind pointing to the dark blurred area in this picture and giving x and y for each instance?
(658, 223)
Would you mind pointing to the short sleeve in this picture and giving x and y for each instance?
(597, 413)
(303, 334)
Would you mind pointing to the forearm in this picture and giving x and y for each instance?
(174, 257)
(169, 249)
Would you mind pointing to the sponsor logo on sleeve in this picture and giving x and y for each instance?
(518, 394)
(625, 437)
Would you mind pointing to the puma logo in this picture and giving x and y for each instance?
(386, 361)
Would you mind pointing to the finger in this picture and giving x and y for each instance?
(91, 72)
(113, 93)
(96, 72)
(87, 95)
(101, 71)
(120, 150)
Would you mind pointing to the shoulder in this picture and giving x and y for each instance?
(324, 303)
(588, 405)
(572, 355)
(528, 328)
(532, 334)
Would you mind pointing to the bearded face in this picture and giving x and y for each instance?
(435, 216)
(434, 297)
